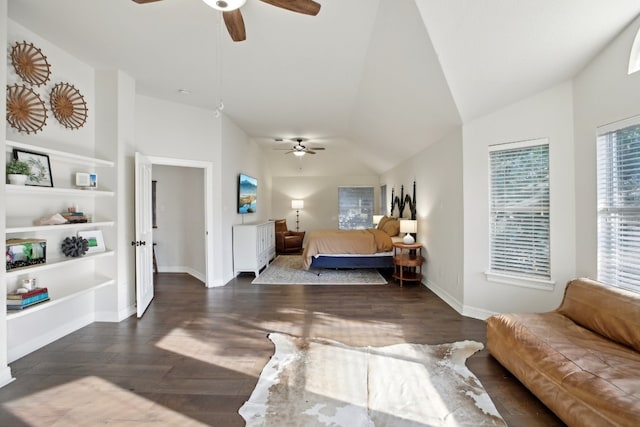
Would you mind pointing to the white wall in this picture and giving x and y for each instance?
(437, 172)
(5, 371)
(179, 236)
(320, 195)
(176, 131)
(546, 115)
(603, 93)
(115, 133)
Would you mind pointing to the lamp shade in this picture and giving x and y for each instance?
(297, 204)
(408, 226)
(376, 219)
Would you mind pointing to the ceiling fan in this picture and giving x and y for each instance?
(300, 150)
(233, 18)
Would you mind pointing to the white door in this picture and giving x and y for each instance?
(144, 234)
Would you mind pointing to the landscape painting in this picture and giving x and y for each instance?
(247, 194)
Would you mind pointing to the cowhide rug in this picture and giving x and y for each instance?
(317, 382)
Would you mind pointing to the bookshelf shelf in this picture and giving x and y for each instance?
(57, 297)
(37, 228)
(55, 263)
(62, 155)
(73, 283)
(55, 191)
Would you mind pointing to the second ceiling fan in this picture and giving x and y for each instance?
(300, 150)
(233, 17)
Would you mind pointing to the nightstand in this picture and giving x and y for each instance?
(407, 262)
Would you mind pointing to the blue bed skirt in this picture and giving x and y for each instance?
(352, 262)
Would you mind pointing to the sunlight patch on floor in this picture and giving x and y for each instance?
(92, 401)
(180, 342)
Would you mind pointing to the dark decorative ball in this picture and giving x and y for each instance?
(75, 246)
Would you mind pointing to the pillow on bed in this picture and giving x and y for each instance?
(391, 227)
(383, 221)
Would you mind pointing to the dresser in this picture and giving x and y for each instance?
(254, 246)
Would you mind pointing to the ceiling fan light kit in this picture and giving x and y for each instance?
(225, 6)
(233, 17)
(298, 149)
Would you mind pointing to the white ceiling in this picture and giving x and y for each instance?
(379, 78)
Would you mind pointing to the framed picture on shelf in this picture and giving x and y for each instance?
(95, 239)
(40, 167)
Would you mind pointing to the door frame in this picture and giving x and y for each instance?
(208, 204)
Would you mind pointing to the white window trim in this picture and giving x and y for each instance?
(512, 279)
(600, 132)
(523, 282)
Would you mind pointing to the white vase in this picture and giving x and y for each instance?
(16, 179)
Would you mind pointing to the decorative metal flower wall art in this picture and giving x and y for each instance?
(68, 105)
(26, 112)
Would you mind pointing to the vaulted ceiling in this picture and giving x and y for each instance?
(381, 79)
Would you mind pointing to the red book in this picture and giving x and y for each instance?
(25, 295)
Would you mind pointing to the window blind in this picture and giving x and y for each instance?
(519, 204)
(618, 181)
(355, 207)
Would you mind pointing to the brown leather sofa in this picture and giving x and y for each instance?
(581, 360)
(287, 241)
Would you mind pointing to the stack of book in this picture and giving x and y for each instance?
(21, 301)
(75, 217)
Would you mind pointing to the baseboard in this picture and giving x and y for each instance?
(465, 310)
(477, 313)
(445, 296)
(40, 341)
(115, 317)
(182, 269)
(6, 377)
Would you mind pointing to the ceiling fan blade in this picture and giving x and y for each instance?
(235, 25)
(307, 7)
(144, 1)
(317, 148)
(309, 152)
(290, 151)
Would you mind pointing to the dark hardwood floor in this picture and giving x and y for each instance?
(195, 356)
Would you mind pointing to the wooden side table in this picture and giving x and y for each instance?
(407, 262)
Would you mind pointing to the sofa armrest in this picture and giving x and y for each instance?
(607, 310)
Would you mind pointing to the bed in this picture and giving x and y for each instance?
(370, 248)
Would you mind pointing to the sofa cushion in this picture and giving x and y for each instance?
(577, 373)
(609, 311)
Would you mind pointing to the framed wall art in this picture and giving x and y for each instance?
(95, 239)
(40, 167)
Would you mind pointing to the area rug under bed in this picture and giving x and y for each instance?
(287, 270)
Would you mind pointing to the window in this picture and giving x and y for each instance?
(355, 207)
(383, 200)
(619, 204)
(519, 209)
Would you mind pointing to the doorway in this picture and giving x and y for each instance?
(178, 232)
(202, 171)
